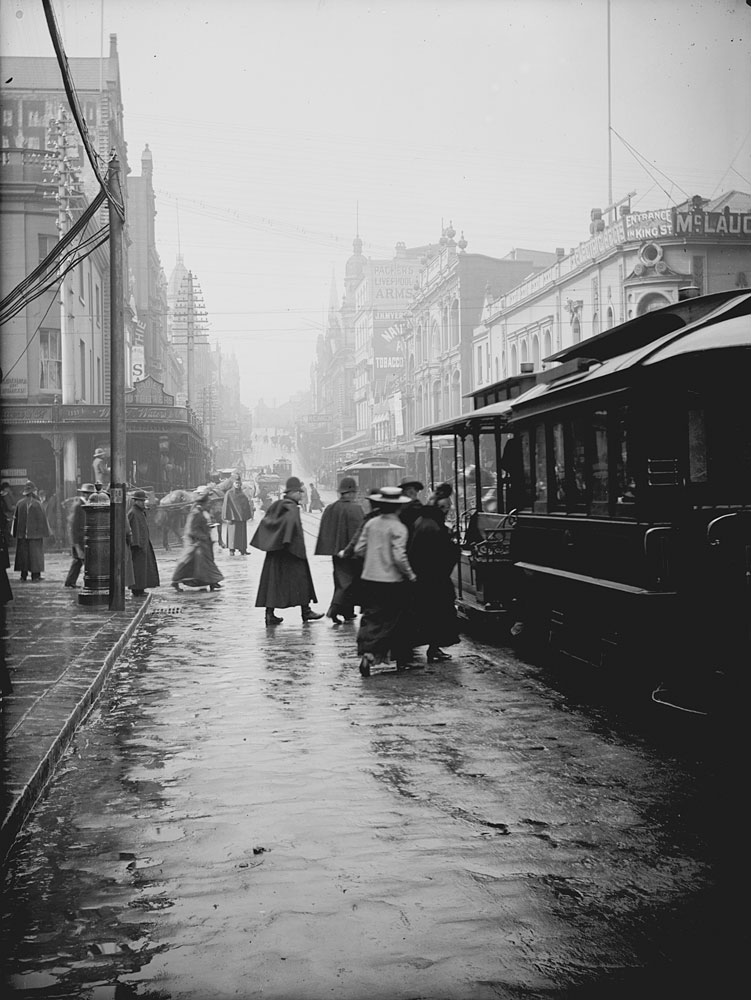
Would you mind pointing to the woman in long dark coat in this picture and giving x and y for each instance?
(433, 555)
(30, 528)
(285, 581)
(145, 570)
(196, 567)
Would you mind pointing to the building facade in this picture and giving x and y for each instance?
(625, 269)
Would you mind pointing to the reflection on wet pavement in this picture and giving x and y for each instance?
(244, 815)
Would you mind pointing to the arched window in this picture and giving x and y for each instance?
(513, 366)
(454, 321)
(444, 329)
(456, 395)
(497, 376)
(547, 344)
(595, 324)
(445, 396)
(576, 331)
(436, 401)
(435, 341)
(652, 301)
(610, 318)
(418, 344)
(536, 352)
(478, 370)
(524, 352)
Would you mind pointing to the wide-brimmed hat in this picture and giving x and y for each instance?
(293, 485)
(29, 488)
(347, 485)
(139, 495)
(388, 496)
(406, 483)
(98, 452)
(86, 488)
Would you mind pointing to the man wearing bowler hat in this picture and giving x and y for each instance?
(285, 581)
(30, 528)
(340, 523)
(145, 571)
(411, 511)
(76, 531)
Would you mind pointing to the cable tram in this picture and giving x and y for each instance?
(622, 486)
(371, 473)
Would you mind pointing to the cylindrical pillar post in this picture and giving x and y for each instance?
(96, 564)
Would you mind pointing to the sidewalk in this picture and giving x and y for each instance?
(58, 654)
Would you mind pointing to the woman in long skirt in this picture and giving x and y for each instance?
(196, 567)
(433, 555)
(385, 584)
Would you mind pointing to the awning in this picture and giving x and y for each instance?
(347, 442)
(489, 414)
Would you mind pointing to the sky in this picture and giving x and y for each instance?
(277, 127)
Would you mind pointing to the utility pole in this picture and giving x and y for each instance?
(190, 336)
(117, 391)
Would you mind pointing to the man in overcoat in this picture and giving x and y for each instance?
(340, 523)
(285, 581)
(30, 528)
(76, 532)
(236, 512)
(410, 512)
(145, 570)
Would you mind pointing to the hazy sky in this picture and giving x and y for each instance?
(269, 121)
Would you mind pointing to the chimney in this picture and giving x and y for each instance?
(560, 253)
(113, 46)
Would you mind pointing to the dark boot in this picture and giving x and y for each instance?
(271, 618)
(310, 616)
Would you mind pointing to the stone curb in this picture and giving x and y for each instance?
(23, 804)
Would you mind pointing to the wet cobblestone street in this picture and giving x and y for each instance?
(243, 815)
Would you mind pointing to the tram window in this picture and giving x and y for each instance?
(558, 484)
(625, 481)
(600, 468)
(697, 447)
(540, 491)
(581, 434)
(527, 493)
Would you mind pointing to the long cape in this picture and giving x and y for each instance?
(280, 528)
(340, 522)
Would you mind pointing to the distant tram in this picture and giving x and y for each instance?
(607, 508)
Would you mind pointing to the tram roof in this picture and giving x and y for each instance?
(651, 326)
(489, 415)
(725, 328)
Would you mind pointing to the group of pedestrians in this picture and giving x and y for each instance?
(406, 593)
(394, 563)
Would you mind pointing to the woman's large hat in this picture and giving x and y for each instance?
(98, 452)
(389, 496)
(406, 483)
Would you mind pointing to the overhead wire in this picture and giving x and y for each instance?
(75, 107)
